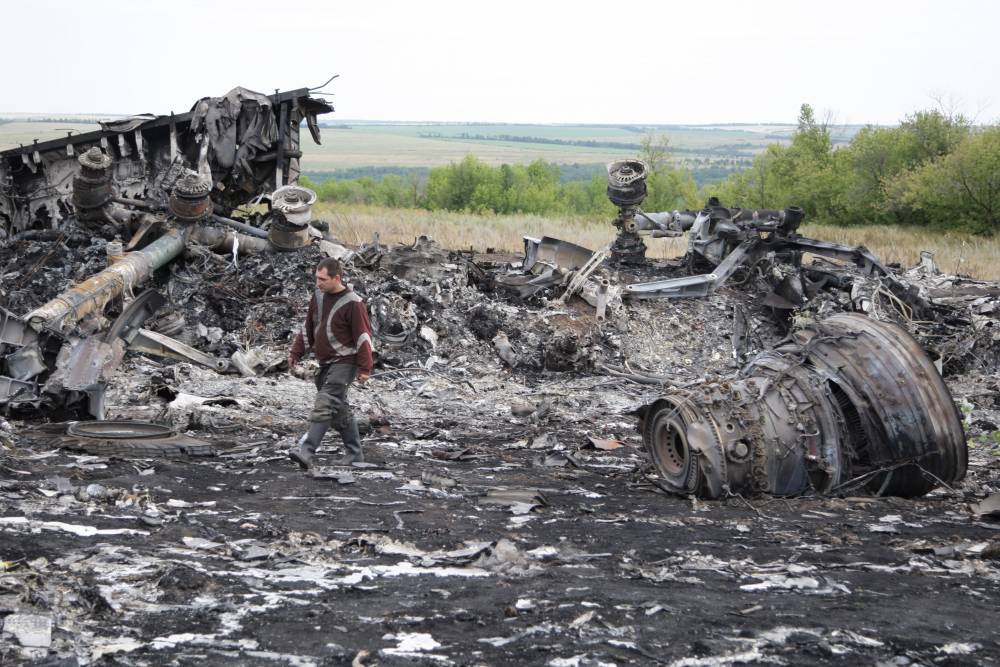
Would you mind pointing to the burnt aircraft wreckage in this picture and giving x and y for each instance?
(847, 399)
(164, 183)
(849, 402)
(842, 402)
(846, 402)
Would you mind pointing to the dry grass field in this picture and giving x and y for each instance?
(954, 253)
(975, 256)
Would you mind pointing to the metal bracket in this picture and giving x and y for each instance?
(150, 342)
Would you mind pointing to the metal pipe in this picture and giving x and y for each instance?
(241, 227)
(93, 294)
(146, 205)
(151, 342)
(222, 240)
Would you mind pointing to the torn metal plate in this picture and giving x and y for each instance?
(555, 253)
(90, 360)
(14, 331)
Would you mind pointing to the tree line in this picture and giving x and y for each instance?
(934, 169)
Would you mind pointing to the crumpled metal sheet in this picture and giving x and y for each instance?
(424, 260)
(555, 253)
(90, 361)
(47, 370)
(247, 142)
(239, 124)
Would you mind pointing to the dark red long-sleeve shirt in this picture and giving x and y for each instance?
(337, 329)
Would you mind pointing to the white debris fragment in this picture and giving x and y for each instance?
(882, 528)
(504, 349)
(200, 543)
(404, 569)
(335, 250)
(176, 502)
(780, 581)
(80, 531)
(387, 545)
(429, 335)
(281, 658)
(516, 522)
(119, 645)
(752, 655)
(30, 630)
(958, 648)
(542, 629)
(544, 552)
(859, 639)
(582, 619)
(214, 641)
(412, 642)
(415, 645)
(211, 334)
(578, 661)
(795, 568)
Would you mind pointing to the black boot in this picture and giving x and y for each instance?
(352, 443)
(303, 454)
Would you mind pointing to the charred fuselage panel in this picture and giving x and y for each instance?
(246, 143)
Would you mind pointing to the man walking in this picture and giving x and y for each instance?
(338, 331)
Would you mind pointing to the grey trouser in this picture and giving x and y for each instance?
(331, 405)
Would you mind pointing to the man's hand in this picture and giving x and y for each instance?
(363, 377)
(292, 363)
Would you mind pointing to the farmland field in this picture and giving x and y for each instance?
(360, 144)
(16, 132)
(350, 145)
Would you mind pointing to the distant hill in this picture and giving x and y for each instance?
(353, 148)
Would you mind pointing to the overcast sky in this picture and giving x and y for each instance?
(697, 61)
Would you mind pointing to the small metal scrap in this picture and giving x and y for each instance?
(520, 501)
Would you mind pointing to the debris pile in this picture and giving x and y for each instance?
(514, 510)
(57, 361)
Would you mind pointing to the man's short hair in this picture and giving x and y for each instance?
(331, 265)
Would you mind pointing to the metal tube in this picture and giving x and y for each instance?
(221, 240)
(241, 227)
(93, 294)
(146, 205)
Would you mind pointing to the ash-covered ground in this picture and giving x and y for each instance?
(509, 514)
